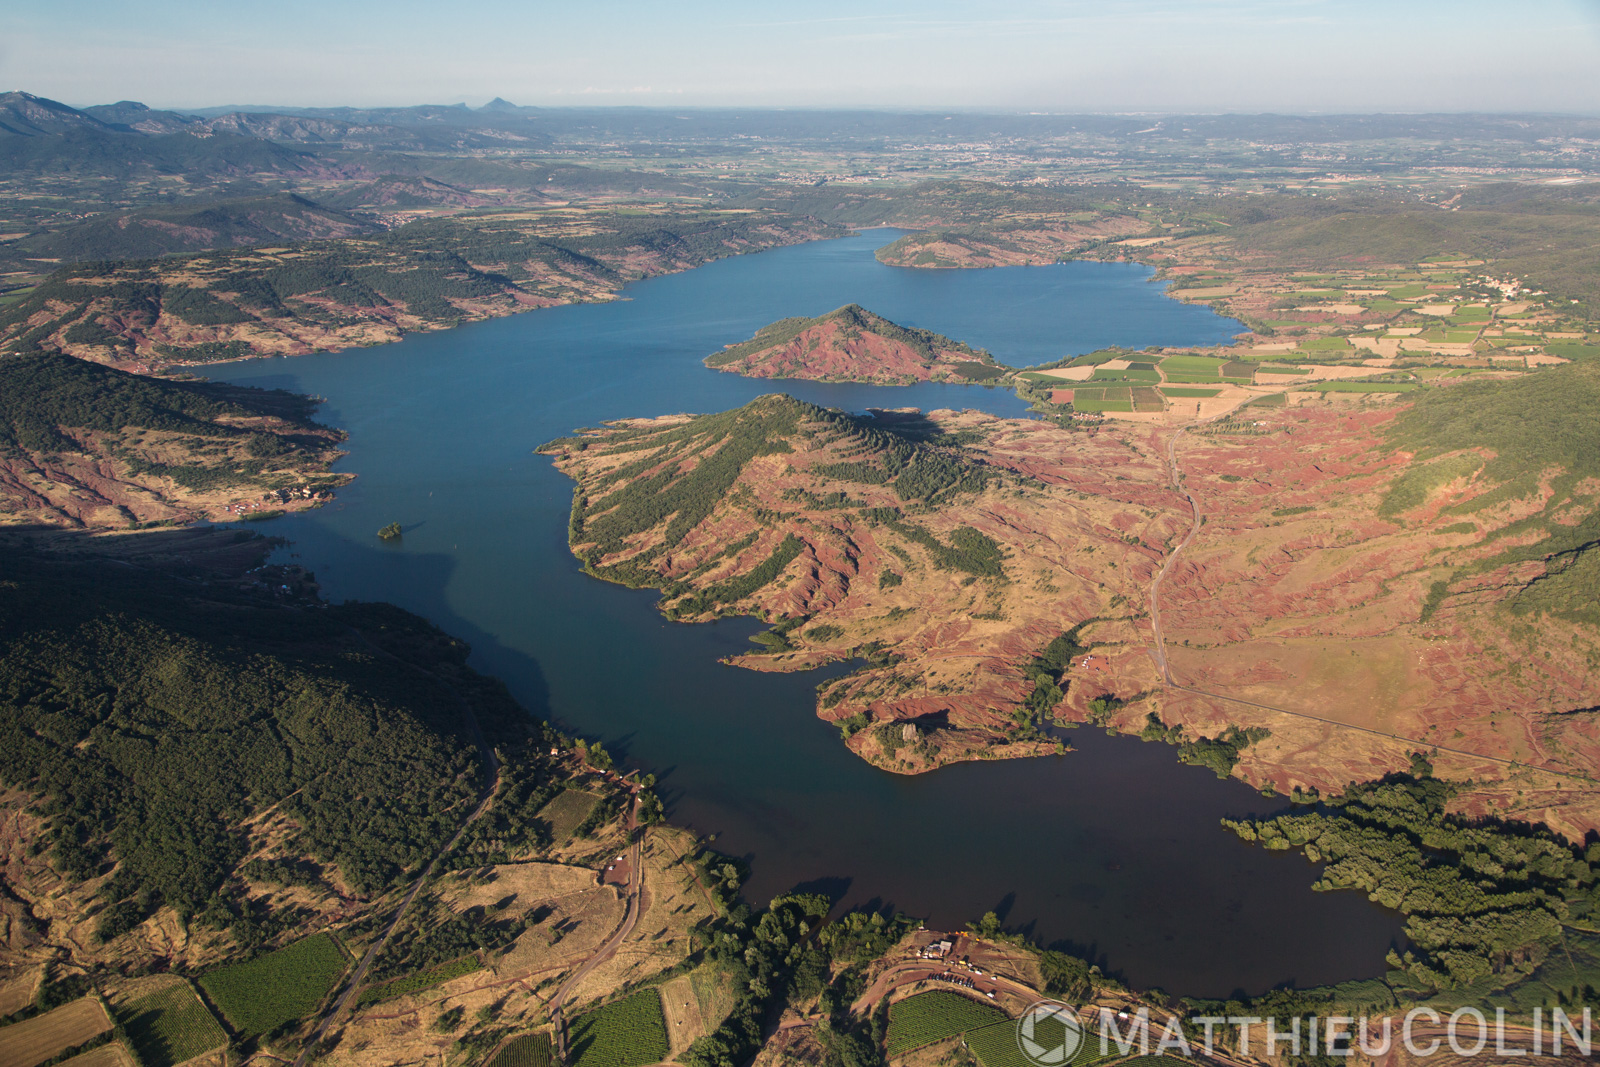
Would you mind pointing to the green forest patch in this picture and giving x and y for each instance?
(343, 741)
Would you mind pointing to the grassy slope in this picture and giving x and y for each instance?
(1540, 430)
(1556, 250)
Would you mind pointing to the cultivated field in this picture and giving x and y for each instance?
(996, 1046)
(47, 1036)
(171, 1026)
(17, 991)
(696, 1003)
(529, 1050)
(566, 813)
(267, 992)
(934, 1016)
(628, 1033)
(113, 1055)
(414, 983)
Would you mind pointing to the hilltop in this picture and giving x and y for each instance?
(852, 344)
(1368, 578)
(86, 445)
(166, 230)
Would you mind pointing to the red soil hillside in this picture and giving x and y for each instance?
(854, 345)
(1334, 594)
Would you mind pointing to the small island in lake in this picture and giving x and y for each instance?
(852, 344)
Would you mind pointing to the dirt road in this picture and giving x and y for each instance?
(1175, 475)
(485, 801)
(630, 920)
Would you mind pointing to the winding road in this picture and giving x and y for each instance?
(630, 919)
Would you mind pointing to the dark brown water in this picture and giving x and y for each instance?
(1114, 849)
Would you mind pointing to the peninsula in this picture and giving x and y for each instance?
(996, 573)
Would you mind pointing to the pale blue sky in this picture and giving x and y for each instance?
(1045, 55)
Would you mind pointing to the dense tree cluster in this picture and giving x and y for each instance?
(1220, 753)
(763, 952)
(152, 723)
(854, 321)
(1482, 898)
(40, 394)
(628, 501)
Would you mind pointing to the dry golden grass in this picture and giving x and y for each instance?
(112, 1055)
(682, 1009)
(529, 883)
(43, 1037)
(17, 991)
(674, 902)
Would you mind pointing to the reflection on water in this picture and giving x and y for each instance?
(1114, 848)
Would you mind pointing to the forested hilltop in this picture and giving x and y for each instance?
(90, 446)
(204, 762)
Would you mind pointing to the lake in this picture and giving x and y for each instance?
(1113, 850)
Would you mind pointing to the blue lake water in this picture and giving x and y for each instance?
(1113, 850)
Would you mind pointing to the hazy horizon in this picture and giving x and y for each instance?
(1049, 56)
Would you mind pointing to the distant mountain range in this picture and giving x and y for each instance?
(497, 124)
(500, 123)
